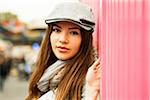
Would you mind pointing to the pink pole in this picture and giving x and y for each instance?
(123, 37)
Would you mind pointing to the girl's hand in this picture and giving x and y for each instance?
(93, 76)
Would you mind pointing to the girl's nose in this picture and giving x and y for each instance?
(64, 38)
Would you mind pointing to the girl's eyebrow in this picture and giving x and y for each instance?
(56, 25)
(74, 28)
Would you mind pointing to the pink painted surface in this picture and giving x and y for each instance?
(125, 33)
(123, 37)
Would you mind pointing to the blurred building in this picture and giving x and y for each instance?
(21, 34)
(21, 41)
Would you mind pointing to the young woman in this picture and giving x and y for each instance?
(67, 67)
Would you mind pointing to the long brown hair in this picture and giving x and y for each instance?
(75, 71)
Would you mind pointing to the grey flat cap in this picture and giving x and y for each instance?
(74, 12)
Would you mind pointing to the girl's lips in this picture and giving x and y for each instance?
(62, 49)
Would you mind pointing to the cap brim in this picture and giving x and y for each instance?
(49, 21)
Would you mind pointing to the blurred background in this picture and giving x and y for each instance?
(22, 29)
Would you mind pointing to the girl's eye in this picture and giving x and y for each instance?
(74, 33)
(56, 30)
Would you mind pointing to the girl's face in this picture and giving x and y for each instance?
(65, 40)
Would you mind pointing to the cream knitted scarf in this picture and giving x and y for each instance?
(51, 76)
